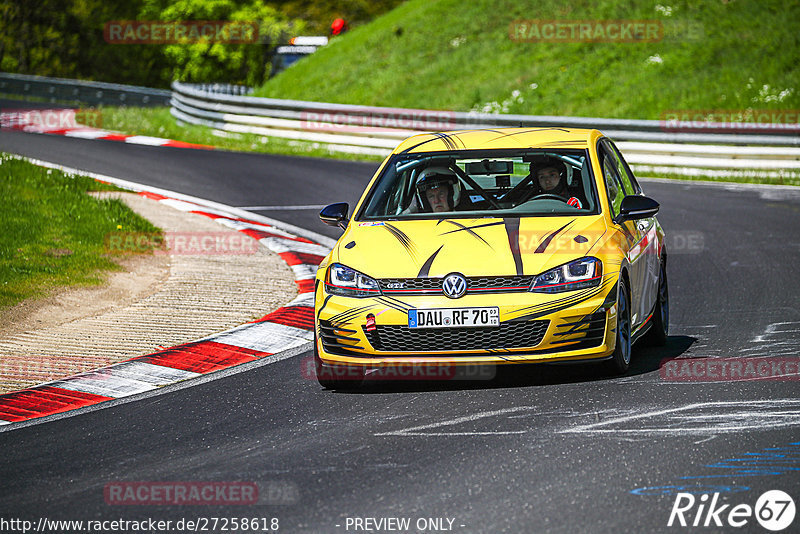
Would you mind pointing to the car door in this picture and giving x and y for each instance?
(648, 246)
(616, 190)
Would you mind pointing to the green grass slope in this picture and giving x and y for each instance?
(455, 55)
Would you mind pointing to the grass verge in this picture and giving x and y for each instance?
(734, 176)
(54, 233)
(158, 122)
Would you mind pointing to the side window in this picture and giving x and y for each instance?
(628, 180)
(614, 187)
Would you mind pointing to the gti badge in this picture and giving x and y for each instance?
(454, 286)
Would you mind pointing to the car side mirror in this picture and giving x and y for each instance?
(635, 207)
(335, 214)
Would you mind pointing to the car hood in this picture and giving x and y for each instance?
(473, 247)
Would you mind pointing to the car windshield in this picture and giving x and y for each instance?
(483, 184)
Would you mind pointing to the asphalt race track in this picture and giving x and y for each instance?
(561, 449)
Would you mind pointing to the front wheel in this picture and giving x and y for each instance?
(337, 376)
(621, 358)
(658, 331)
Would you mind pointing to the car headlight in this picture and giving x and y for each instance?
(346, 282)
(578, 274)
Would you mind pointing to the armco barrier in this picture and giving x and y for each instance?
(194, 101)
(59, 90)
(376, 130)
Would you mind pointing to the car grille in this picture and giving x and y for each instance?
(400, 338)
(475, 284)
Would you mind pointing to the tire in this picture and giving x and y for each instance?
(621, 358)
(657, 335)
(336, 376)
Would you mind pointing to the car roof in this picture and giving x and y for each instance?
(500, 138)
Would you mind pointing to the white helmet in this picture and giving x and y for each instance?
(438, 177)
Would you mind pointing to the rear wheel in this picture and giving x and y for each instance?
(336, 376)
(621, 358)
(658, 331)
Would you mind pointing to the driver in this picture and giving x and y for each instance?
(438, 189)
(551, 179)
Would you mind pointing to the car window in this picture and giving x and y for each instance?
(614, 188)
(471, 183)
(622, 169)
(636, 186)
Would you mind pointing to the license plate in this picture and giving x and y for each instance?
(454, 317)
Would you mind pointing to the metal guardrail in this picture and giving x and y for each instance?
(224, 88)
(60, 90)
(377, 130)
(195, 102)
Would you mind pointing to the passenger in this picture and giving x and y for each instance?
(551, 178)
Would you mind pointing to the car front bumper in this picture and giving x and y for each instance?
(534, 327)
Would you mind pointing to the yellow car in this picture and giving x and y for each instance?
(486, 247)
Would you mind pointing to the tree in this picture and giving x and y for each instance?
(65, 38)
(208, 60)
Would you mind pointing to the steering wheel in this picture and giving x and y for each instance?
(549, 195)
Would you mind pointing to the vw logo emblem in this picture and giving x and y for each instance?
(454, 285)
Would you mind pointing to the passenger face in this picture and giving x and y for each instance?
(548, 178)
(437, 198)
